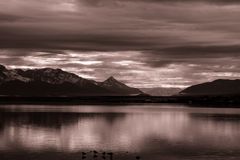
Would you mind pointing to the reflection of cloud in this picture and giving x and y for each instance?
(139, 126)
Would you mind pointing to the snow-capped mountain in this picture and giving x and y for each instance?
(10, 75)
(52, 76)
(56, 82)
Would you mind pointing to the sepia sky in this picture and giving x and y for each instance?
(144, 43)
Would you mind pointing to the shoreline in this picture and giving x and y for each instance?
(111, 100)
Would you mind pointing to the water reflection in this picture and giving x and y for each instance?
(122, 128)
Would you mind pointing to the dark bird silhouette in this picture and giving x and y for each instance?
(95, 154)
(84, 155)
(104, 155)
(110, 155)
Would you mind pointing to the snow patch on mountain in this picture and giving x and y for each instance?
(11, 75)
(49, 75)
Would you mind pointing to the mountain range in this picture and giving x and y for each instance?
(217, 87)
(56, 82)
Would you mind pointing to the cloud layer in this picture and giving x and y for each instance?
(144, 43)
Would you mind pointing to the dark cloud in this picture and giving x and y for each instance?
(167, 42)
(117, 2)
(201, 51)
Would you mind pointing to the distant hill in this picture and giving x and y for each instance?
(217, 87)
(159, 91)
(56, 82)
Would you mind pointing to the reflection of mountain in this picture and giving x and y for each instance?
(51, 119)
(56, 82)
(119, 129)
(233, 118)
(217, 87)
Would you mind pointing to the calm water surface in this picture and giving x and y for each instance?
(153, 132)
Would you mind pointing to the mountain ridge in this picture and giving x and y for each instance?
(216, 87)
(56, 82)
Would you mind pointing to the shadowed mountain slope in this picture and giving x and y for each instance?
(217, 87)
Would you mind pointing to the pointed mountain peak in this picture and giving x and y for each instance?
(111, 79)
(119, 87)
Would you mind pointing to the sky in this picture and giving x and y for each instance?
(143, 43)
